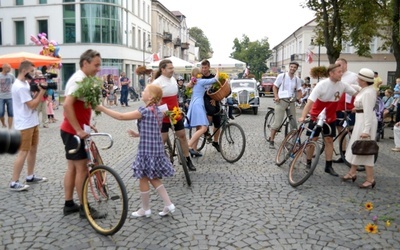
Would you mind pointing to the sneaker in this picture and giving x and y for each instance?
(396, 149)
(71, 210)
(95, 214)
(271, 145)
(216, 146)
(18, 187)
(36, 179)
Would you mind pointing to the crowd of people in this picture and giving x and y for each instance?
(342, 91)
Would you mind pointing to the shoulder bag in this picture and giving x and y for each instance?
(364, 147)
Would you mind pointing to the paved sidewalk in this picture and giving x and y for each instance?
(245, 205)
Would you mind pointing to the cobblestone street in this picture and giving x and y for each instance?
(245, 205)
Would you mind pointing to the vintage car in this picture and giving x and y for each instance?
(245, 94)
(265, 87)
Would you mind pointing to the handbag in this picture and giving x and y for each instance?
(364, 147)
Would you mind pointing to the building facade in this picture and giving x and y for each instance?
(300, 43)
(125, 32)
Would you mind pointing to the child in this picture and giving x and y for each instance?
(110, 96)
(50, 109)
(151, 162)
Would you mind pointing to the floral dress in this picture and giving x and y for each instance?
(151, 160)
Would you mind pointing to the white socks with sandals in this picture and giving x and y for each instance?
(145, 197)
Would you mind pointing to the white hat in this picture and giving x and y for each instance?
(366, 75)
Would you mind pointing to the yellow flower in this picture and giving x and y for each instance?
(174, 115)
(371, 228)
(222, 78)
(369, 206)
(387, 223)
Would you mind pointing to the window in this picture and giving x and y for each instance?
(19, 2)
(42, 1)
(19, 32)
(134, 37)
(1, 38)
(101, 24)
(69, 23)
(68, 70)
(43, 27)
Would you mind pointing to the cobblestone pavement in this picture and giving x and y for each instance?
(245, 205)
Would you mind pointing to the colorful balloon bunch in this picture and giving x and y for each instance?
(49, 48)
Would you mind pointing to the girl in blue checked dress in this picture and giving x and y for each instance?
(151, 162)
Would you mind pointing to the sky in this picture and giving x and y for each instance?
(224, 20)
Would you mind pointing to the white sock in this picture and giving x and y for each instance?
(30, 177)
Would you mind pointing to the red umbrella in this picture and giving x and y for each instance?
(14, 59)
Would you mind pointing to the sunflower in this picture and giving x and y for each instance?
(175, 115)
(387, 223)
(369, 206)
(371, 228)
(222, 78)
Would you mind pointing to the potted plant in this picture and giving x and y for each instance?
(319, 72)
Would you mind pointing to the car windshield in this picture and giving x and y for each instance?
(243, 84)
(268, 80)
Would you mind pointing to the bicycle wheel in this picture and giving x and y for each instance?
(285, 148)
(232, 142)
(299, 170)
(269, 120)
(169, 151)
(182, 160)
(104, 193)
(202, 140)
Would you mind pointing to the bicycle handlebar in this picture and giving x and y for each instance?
(78, 140)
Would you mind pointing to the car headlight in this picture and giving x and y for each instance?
(234, 95)
(252, 95)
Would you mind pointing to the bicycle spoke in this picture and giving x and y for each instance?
(105, 201)
(232, 142)
(303, 164)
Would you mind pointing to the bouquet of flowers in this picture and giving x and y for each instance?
(188, 92)
(175, 115)
(90, 89)
(222, 78)
(220, 89)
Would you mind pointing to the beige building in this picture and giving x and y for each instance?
(297, 46)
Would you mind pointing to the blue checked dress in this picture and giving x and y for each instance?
(151, 160)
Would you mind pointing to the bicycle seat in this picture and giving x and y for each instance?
(271, 108)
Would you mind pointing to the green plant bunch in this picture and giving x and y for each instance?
(319, 72)
(90, 89)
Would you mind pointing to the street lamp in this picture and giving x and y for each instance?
(144, 50)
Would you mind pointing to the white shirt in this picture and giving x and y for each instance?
(169, 86)
(24, 117)
(287, 86)
(72, 86)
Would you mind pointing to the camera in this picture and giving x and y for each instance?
(10, 140)
(34, 82)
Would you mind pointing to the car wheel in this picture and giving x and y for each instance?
(255, 110)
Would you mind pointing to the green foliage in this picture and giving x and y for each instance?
(254, 53)
(201, 42)
(90, 89)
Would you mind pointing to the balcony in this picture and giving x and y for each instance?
(185, 46)
(177, 42)
(167, 37)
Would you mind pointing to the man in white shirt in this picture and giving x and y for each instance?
(286, 86)
(26, 120)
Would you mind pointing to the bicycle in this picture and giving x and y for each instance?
(270, 118)
(232, 140)
(175, 149)
(304, 151)
(103, 190)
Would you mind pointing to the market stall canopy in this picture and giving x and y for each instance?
(180, 66)
(14, 59)
(228, 65)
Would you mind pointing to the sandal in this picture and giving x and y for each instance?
(348, 177)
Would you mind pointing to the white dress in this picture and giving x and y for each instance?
(366, 122)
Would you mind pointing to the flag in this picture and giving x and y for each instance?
(246, 72)
(309, 56)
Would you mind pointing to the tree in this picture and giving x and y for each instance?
(201, 42)
(342, 21)
(253, 53)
